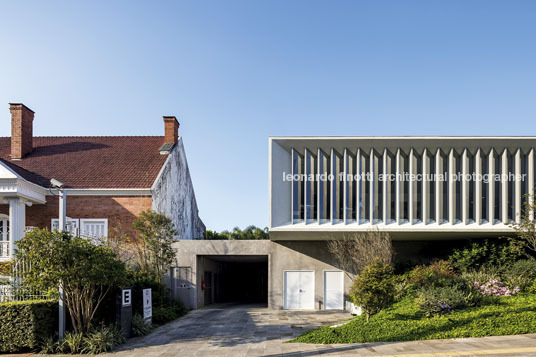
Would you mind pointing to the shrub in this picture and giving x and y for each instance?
(483, 274)
(373, 289)
(5, 268)
(49, 345)
(139, 281)
(434, 301)
(103, 339)
(495, 288)
(164, 314)
(139, 326)
(438, 273)
(25, 324)
(521, 274)
(485, 253)
(72, 342)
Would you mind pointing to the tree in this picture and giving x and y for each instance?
(525, 229)
(86, 271)
(249, 233)
(357, 250)
(374, 289)
(154, 245)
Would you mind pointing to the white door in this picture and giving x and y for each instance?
(333, 290)
(299, 290)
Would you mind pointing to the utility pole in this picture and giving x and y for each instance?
(62, 226)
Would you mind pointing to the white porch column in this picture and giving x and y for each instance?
(17, 222)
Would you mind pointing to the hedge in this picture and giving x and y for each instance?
(24, 324)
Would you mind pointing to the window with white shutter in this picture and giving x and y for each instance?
(72, 225)
(85, 227)
(94, 227)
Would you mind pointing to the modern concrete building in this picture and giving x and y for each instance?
(422, 190)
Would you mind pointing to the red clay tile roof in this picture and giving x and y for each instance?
(90, 162)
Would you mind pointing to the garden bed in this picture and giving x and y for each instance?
(510, 315)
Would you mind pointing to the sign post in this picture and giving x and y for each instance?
(147, 306)
(124, 311)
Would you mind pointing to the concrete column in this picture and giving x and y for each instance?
(518, 199)
(452, 187)
(504, 187)
(425, 187)
(478, 187)
(386, 203)
(412, 188)
(372, 183)
(530, 183)
(399, 172)
(439, 187)
(491, 187)
(465, 187)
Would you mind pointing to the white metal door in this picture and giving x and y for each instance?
(299, 290)
(333, 290)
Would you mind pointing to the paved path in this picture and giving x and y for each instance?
(252, 331)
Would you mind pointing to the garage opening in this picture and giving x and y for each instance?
(234, 279)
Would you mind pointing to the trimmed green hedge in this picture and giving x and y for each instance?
(24, 324)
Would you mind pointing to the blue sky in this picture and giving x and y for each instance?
(236, 72)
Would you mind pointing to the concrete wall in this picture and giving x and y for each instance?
(174, 196)
(302, 255)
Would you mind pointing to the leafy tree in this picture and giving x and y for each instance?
(374, 288)
(86, 271)
(154, 245)
(358, 249)
(249, 233)
(526, 228)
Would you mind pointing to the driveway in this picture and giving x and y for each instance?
(250, 330)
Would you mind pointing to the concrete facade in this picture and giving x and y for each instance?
(288, 255)
(412, 187)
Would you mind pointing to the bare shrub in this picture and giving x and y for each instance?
(356, 250)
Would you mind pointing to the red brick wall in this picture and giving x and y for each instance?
(121, 211)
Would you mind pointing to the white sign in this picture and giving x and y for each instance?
(147, 304)
(126, 297)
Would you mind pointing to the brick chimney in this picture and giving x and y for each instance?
(171, 127)
(21, 130)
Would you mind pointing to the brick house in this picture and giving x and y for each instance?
(108, 181)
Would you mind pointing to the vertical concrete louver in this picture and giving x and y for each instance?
(327, 194)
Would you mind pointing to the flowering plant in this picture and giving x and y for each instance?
(495, 287)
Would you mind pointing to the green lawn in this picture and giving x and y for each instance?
(512, 315)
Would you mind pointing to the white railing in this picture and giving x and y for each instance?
(12, 288)
(4, 249)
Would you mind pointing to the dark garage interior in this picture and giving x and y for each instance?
(237, 279)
